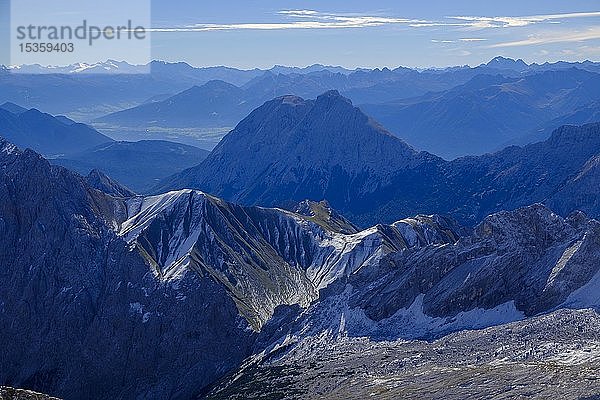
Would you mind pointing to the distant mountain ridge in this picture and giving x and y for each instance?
(195, 107)
(122, 67)
(218, 103)
(491, 111)
(45, 133)
(139, 165)
(98, 180)
(113, 66)
(450, 113)
(507, 63)
(215, 103)
(65, 93)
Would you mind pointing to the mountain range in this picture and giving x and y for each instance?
(214, 104)
(117, 85)
(138, 165)
(292, 149)
(454, 108)
(44, 133)
(313, 253)
(218, 103)
(104, 296)
(84, 96)
(491, 112)
(453, 113)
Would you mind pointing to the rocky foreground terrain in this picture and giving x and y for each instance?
(8, 393)
(111, 297)
(552, 356)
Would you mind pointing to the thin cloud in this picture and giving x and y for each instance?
(511, 22)
(568, 37)
(303, 19)
(467, 40)
(296, 13)
(312, 19)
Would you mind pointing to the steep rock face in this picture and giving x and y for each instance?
(323, 215)
(290, 149)
(518, 176)
(580, 191)
(512, 266)
(81, 314)
(263, 257)
(189, 231)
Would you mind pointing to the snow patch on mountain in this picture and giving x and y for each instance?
(8, 148)
(182, 214)
(413, 322)
(143, 210)
(562, 262)
(334, 315)
(586, 296)
(347, 254)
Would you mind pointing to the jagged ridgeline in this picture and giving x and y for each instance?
(108, 295)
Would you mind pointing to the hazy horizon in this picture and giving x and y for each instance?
(350, 68)
(353, 34)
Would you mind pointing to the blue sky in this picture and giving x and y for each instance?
(351, 33)
(377, 33)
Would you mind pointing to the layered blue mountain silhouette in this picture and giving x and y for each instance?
(44, 133)
(450, 113)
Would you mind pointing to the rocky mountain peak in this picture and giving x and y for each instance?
(507, 63)
(99, 180)
(332, 96)
(290, 141)
(323, 215)
(291, 100)
(506, 227)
